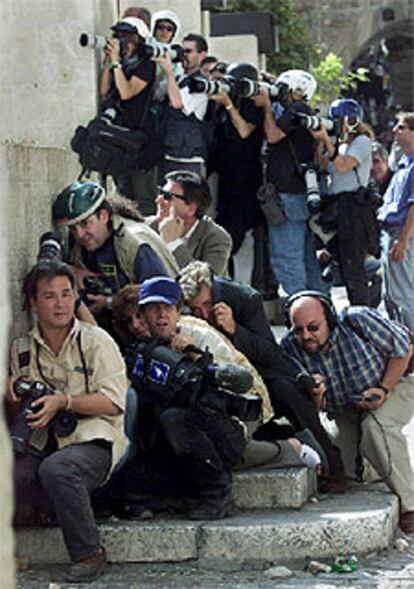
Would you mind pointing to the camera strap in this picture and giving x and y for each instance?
(23, 355)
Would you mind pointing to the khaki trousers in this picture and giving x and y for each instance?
(384, 443)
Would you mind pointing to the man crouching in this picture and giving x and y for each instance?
(67, 390)
(187, 436)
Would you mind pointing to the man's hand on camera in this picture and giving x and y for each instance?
(164, 62)
(180, 341)
(320, 134)
(318, 392)
(222, 98)
(11, 396)
(49, 406)
(96, 303)
(262, 100)
(223, 318)
(172, 227)
(377, 397)
(81, 274)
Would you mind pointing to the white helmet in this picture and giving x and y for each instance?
(299, 81)
(165, 15)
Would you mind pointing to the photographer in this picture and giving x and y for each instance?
(291, 152)
(126, 84)
(349, 164)
(83, 373)
(184, 134)
(109, 239)
(238, 142)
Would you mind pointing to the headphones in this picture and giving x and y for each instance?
(325, 300)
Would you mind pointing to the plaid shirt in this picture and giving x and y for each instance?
(359, 348)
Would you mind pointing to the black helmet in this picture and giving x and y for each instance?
(242, 70)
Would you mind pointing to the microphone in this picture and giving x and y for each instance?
(233, 377)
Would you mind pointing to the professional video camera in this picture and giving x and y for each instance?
(49, 246)
(171, 378)
(62, 424)
(175, 52)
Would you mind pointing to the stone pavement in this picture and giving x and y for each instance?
(389, 570)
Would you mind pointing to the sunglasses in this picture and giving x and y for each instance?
(168, 28)
(311, 327)
(187, 50)
(167, 195)
(401, 127)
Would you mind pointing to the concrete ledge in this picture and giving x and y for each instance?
(360, 522)
(261, 489)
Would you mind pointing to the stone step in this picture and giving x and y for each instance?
(362, 521)
(270, 488)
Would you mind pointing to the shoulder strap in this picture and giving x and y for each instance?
(23, 355)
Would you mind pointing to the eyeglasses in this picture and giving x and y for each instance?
(311, 327)
(401, 127)
(188, 50)
(168, 28)
(167, 195)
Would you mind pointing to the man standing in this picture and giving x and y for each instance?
(184, 140)
(109, 238)
(85, 374)
(397, 218)
(183, 225)
(363, 358)
(291, 153)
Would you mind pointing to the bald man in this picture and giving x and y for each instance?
(363, 360)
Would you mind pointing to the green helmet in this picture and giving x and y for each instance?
(77, 202)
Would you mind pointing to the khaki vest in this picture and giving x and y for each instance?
(129, 235)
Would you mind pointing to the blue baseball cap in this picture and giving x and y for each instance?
(159, 289)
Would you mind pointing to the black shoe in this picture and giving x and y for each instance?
(211, 508)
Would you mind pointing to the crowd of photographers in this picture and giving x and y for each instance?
(150, 375)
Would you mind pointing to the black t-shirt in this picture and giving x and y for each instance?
(131, 110)
(281, 165)
(230, 147)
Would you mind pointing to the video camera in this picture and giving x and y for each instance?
(62, 424)
(171, 378)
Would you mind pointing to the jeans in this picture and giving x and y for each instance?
(292, 248)
(60, 485)
(398, 284)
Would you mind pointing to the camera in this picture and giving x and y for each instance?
(97, 285)
(199, 85)
(172, 379)
(175, 52)
(62, 424)
(313, 123)
(92, 41)
(313, 195)
(49, 246)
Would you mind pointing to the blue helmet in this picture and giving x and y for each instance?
(346, 108)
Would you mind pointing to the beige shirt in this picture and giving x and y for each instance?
(65, 374)
(204, 335)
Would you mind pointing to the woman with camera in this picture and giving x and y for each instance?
(349, 164)
(126, 84)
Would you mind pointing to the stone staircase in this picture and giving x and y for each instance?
(276, 523)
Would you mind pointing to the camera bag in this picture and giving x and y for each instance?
(271, 204)
(111, 149)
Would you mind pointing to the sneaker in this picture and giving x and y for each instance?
(211, 508)
(88, 569)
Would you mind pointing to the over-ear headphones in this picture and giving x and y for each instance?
(325, 300)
